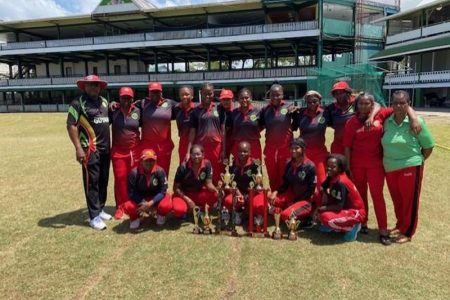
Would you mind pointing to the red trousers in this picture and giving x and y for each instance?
(372, 178)
(182, 149)
(342, 220)
(318, 157)
(285, 201)
(337, 147)
(212, 153)
(255, 147)
(228, 203)
(163, 150)
(275, 159)
(122, 164)
(404, 186)
(180, 207)
(163, 207)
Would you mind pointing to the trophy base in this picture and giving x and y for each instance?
(207, 231)
(277, 235)
(292, 236)
(258, 234)
(227, 232)
(197, 230)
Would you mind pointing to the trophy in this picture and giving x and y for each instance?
(220, 196)
(292, 225)
(227, 178)
(225, 216)
(258, 177)
(206, 221)
(196, 213)
(276, 234)
(233, 230)
(260, 230)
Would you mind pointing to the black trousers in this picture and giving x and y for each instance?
(95, 181)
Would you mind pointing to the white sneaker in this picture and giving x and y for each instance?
(97, 223)
(135, 224)
(238, 218)
(105, 216)
(160, 220)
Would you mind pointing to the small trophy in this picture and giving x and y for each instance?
(221, 195)
(225, 216)
(196, 213)
(233, 230)
(292, 225)
(227, 178)
(206, 221)
(258, 177)
(276, 234)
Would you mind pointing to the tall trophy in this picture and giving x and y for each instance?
(221, 212)
(257, 225)
(206, 219)
(292, 225)
(276, 234)
(227, 178)
(196, 213)
(233, 230)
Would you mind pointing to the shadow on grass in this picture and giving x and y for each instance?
(149, 224)
(334, 238)
(78, 217)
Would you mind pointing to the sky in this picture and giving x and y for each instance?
(33, 9)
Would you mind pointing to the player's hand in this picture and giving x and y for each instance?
(187, 157)
(415, 126)
(368, 124)
(113, 106)
(80, 156)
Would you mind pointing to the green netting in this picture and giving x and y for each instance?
(361, 77)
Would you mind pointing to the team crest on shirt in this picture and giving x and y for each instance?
(301, 175)
(215, 113)
(283, 111)
(155, 182)
(202, 176)
(253, 118)
(249, 173)
(377, 123)
(134, 116)
(336, 194)
(164, 105)
(321, 120)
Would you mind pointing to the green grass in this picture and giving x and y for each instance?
(48, 251)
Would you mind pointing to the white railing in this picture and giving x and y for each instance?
(64, 80)
(30, 81)
(434, 29)
(437, 76)
(166, 35)
(401, 78)
(424, 77)
(404, 36)
(126, 78)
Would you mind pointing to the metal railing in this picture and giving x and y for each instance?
(168, 77)
(166, 35)
(423, 77)
(418, 33)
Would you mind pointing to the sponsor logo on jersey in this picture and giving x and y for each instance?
(155, 182)
(301, 175)
(253, 118)
(202, 176)
(249, 173)
(321, 120)
(101, 120)
(283, 111)
(134, 116)
(164, 105)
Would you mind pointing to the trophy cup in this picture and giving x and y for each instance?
(227, 178)
(276, 234)
(206, 221)
(196, 213)
(258, 177)
(292, 225)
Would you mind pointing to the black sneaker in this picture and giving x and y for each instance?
(306, 223)
(385, 240)
(364, 229)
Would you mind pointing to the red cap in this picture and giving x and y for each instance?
(155, 86)
(126, 91)
(91, 78)
(148, 154)
(341, 85)
(226, 94)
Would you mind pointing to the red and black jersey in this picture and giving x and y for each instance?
(142, 186)
(342, 191)
(365, 144)
(245, 125)
(337, 118)
(208, 122)
(243, 174)
(183, 119)
(278, 124)
(155, 119)
(301, 179)
(312, 129)
(92, 119)
(190, 180)
(125, 128)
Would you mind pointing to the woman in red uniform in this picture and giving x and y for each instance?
(193, 184)
(312, 124)
(245, 125)
(182, 113)
(226, 98)
(364, 154)
(157, 113)
(208, 129)
(147, 190)
(125, 143)
(342, 208)
(276, 118)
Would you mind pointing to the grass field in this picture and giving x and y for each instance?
(48, 251)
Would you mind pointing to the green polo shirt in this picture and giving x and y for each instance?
(401, 148)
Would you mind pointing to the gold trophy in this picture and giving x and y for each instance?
(196, 212)
(292, 225)
(227, 178)
(206, 221)
(258, 177)
(276, 234)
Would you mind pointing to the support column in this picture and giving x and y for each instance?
(86, 68)
(296, 54)
(155, 60)
(47, 69)
(208, 57)
(61, 66)
(266, 56)
(320, 40)
(128, 66)
(107, 63)
(19, 68)
(10, 71)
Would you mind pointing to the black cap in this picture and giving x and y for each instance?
(298, 142)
